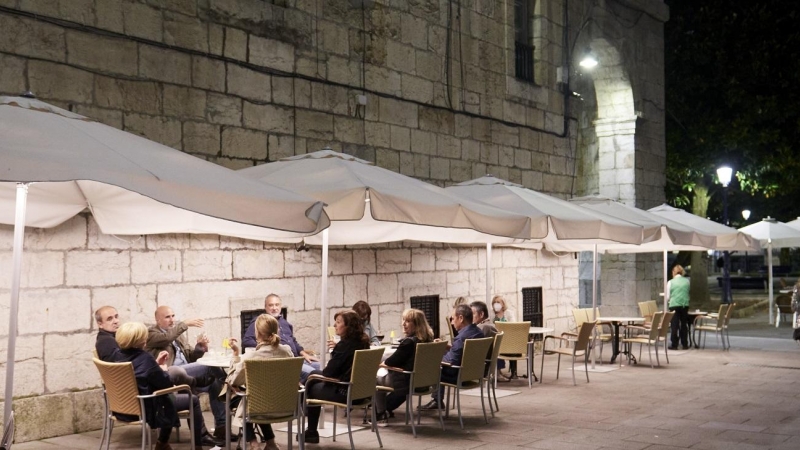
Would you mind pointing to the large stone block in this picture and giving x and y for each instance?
(505, 280)
(98, 268)
(185, 103)
(131, 96)
(249, 83)
(208, 73)
(274, 119)
(161, 129)
(314, 124)
(377, 134)
(39, 269)
(458, 284)
(335, 301)
(97, 240)
(448, 146)
(143, 21)
(440, 168)
(69, 362)
(165, 65)
(364, 261)
(399, 57)
(33, 38)
(421, 283)
(447, 259)
(327, 98)
(88, 410)
(394, 261)
(355, 289)
(200, 137)
(383, 80)
(69, 235)
(467, 258)
(12, 74)
(398, 112)
(207, 265)
(271, 53)
(156, 267)
(414, 31)
(102, 53)
(283, 90)
(29, 365)
(382, 289)
(224, 109)
(59, 82)
(257, 264)
(423, 259)
(54, 310)
(417, 89)
(340, 262)
(109, 15)
(185, 32)
(348, 130)
(423, 142)
(303, 264)
(133, 303)
(279, 147)
(243, 143)
(54, 410)
(387, 159)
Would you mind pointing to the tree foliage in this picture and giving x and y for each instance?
(732, 98)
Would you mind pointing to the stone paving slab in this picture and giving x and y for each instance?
(709, 399)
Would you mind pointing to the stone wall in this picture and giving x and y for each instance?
(243, 82)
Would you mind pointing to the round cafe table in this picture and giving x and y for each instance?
(532, 331)
(616, 322)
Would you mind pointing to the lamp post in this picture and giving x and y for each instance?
(724, 174)
(746, 217)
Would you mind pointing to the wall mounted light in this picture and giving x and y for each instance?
(589, 59)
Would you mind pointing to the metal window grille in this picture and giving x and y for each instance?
(523, 39)
(429, 304)
(532, 310)
(523, 57)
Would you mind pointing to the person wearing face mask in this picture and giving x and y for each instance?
(501, 312)
(286, 331)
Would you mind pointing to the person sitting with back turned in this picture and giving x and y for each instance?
(462, 322)
(273, 306)
(107, 348)
(169, 335)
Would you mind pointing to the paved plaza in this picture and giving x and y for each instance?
(745, 398)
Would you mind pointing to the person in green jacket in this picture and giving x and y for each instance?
(678, 291)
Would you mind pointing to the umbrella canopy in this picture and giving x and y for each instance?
(54, 164)
(771, 233)
(552, 219)
(727, 238)
(368, 204)
(794, 223)
(133, 185)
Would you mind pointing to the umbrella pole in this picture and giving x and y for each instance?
(323, 300)
(594, 298)
(16, 272)
(666, 307)
(488, 274)
(769, 280)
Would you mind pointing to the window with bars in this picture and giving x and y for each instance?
(523, 39)
(429, 304)
(532, 310)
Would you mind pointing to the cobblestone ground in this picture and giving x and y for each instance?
(745, 398)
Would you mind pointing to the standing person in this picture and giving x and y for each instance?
(462, 322)
(268, 346)
(350, 329)
(170, 335)
(501, 312)
(365, 312)
(151, 376)
(272, 304)
(678, 296)
(416, 330)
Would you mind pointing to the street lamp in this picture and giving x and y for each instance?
(746, 216)
(724, 174)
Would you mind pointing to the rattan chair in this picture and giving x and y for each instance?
(491, 372)
(662, 333)
(360, 390)
(579, 348)
(272, 395)
(715, 324)
(649, 339)
(424, 379)
(728, 314)
(470, 373)
(121, 396)
(514, 346)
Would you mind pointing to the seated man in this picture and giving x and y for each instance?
(108, 350)
(480, 317)
(273, 306)
(462, 321)
(168, 335)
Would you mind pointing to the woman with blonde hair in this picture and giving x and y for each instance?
(501, 312)
(151, 375)
(678, 297)
(268, 345)
(416, 330)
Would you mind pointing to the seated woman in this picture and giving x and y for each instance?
(151, 375)
(501, 312)
(365, 313)
(350, 329)
(268, 345)
(416, 329)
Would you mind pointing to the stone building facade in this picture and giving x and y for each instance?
(427, 88)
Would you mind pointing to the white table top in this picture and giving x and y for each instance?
(215, 360)
(540, 330)
(622, 319)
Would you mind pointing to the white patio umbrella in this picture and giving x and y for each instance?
(54, 164)
(776, 234)
(728, 239)
(368, 204)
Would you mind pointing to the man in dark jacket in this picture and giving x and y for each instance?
(462, 321)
